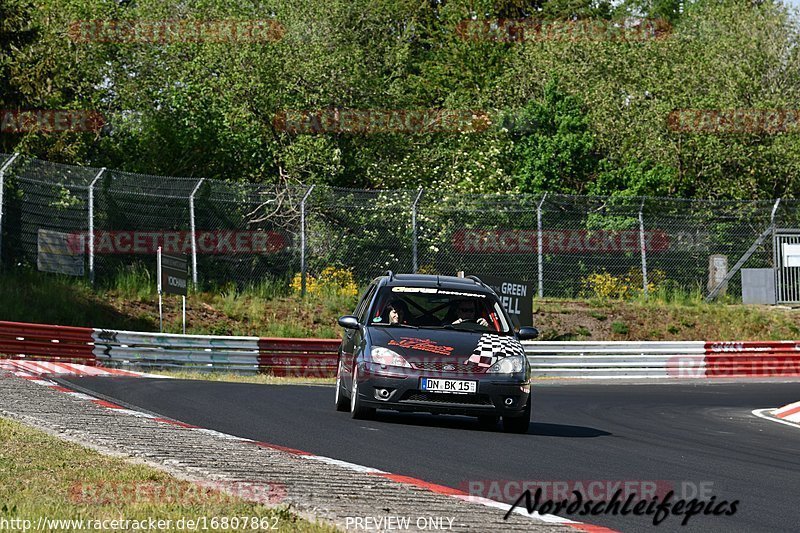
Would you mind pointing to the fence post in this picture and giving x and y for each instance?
(776, 254)
(539, 241)
(414, 232)
(303, 241)
(3, 169)
(644, 252)
(91, 224)
(192, 230)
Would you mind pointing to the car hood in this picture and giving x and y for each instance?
(446, 345)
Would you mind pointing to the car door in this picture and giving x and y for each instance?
(354, 339)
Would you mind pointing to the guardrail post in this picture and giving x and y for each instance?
(644, 251)
(414, 231)
(192, 230)
(91, 224)
(539, 241)
(303, 241)
(3, 169)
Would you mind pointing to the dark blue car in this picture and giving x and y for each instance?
(437, 344)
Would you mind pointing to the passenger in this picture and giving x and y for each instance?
(398, 312)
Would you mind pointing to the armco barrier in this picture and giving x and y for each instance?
(298, 357)
(654, 359)
(113, 348)
(318, 357)
(767, 358)
(53, 343)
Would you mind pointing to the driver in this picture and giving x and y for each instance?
(467, 310)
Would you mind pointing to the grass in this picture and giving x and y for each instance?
(270, 309)
(32, 297)
(620, 328)
(129, 301)
(42, 476)
(230, 377)
(678, 317)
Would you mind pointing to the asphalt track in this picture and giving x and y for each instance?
(689, 436)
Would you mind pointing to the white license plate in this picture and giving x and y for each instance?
(448, 385)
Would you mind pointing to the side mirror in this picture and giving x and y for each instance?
(349, 322)
(527, 333)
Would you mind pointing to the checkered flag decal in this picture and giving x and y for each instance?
(491, 348)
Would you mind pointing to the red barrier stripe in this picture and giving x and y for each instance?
(282, 372)
(36, 341)
(45, 348)
(22, 329)
(752, 346)
(285, 360)
(298, 357)
(753, 367)
(270, 344)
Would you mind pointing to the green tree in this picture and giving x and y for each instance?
(553, 144)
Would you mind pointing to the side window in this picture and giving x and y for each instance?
(361, 311)
(362, 305)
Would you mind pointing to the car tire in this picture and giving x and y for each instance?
(488, 422)
(342, 401)
(518, 424)
(357, 409)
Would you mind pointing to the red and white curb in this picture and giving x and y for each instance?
(788, 414)
(25, 367)
(419, 483)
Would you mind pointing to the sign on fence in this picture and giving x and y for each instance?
(55, 254)
(516, 297)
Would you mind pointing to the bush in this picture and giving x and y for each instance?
(606, 286)
(331, 281)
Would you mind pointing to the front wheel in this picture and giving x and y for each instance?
(519, 424)
(342, 403)
(357, 409)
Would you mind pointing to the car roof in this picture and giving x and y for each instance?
(432, 280)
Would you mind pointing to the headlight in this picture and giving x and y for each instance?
(386, 357)
(508, 365)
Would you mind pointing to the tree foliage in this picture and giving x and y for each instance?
(595, 109)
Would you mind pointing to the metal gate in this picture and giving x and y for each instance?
(787, 276)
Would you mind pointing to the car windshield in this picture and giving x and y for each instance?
(430, 307)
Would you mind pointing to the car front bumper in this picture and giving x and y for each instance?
(496, 394)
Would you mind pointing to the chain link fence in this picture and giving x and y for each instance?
(243, 233)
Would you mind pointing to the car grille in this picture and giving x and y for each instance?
(431, 397)
(460, 368)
